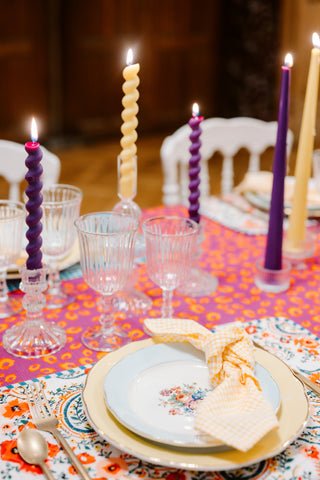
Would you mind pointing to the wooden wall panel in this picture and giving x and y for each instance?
(173, 40)
(24, 68)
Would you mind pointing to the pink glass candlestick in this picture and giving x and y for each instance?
(194, 164)
(33, 205)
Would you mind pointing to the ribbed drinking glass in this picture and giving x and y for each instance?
(12, 217)
(107, 241)
(170, 243)
(60, 207)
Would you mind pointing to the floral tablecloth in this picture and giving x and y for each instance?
(300, 461)
(231, 257)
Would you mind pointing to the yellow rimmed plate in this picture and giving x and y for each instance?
(293, 415)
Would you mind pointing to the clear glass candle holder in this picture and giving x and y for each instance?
(34, 337)
(273, 281)
(127, 204)
(297, 251)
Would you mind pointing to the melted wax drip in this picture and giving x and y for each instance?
(194, 169)
(33, 206)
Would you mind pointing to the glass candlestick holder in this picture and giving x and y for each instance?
(34, 337)
(127, 188)
(129, 300)
(273, 281)
(297, 251)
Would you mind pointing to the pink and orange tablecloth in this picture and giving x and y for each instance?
(288, 323)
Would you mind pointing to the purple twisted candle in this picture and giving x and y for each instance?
(194, 164)
(33, 205)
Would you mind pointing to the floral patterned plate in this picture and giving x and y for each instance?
(293, 416)
(154, 392)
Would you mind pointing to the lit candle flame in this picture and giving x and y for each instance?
(316, 40)
(130, 57)
(288, 61)
(195, 109)
(34, 130)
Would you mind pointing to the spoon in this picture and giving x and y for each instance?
(33, 448)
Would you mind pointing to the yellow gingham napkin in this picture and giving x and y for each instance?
(235, 412)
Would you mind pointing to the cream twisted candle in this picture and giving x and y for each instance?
(127, 180)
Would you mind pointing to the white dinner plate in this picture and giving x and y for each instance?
(262, 200)
(293, 416)
(154, 392)
(71, 259)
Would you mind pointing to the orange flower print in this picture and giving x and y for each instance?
(14, 409)
(315, 377)
(308, 342)
(176, 476)
(312, 452)
(114, 467)
(251, 329)
(86, 458)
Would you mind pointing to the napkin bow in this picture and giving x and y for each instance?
(235, 411)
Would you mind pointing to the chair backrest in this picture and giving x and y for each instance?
(13, 169)
(226, 136)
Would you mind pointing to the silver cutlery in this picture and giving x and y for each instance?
(303, 378)
(44, 419)
(33, 448)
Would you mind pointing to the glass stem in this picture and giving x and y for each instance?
(106, 318)
(3, 287)
(54, 281)
(167, 304)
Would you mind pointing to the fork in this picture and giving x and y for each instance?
(44, 419)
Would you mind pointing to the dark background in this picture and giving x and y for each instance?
(62, 61)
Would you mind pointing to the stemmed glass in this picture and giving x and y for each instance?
(170, 242)
(107, 241)
(60, 207)
(12, 217)
(199, 282)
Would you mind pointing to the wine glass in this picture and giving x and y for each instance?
(60, 207)
(170, 242)
(107, 241)
(12, 217)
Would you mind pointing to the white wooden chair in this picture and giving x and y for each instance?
(226, 136)
(13, 169)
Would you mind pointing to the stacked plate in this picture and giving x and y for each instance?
(70, 259)
(142, 399)
(262, 200)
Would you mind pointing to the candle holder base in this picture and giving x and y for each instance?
(296, 251)
(34, 337)
(273, 281)
(128, 207)
(199, 284)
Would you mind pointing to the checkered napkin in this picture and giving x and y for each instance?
(235, 412)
